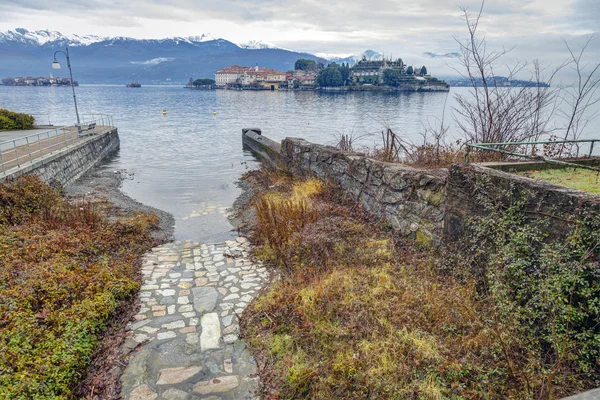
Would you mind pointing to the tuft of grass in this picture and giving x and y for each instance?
(282, 215)
(64, 271)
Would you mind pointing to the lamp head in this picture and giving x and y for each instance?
(55, 64)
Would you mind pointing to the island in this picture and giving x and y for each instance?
(366, 75)
(39, 81)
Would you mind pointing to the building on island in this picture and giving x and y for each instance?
(304, 78)
(371, 72)
(257, 77)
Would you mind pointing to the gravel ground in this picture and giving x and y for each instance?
(102, 182)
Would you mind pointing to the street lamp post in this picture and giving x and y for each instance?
(56, 65)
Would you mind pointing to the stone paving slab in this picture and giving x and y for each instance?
(186, 331)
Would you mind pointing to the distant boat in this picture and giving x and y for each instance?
(134, 84)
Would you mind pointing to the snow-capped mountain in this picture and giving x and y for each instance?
(257, 45)
(370, 55)
(43, 37)
(98, 59)
(205, 37)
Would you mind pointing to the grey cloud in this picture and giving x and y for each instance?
(406, 29)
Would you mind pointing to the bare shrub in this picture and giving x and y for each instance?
(490, 113)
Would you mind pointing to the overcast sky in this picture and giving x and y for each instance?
(403, 28)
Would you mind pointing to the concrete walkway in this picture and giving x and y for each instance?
(12, 135)
(188, 324)
(41, 144)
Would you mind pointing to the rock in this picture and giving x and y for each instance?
(143, 392)
(192, 339)
(171, 376)
(247, 298)
(211, 331)
(228, 366)
(185, 285)
(186, 308)
(174, 325)
(228, 320)
(217, 385)
(205, 298)
(175, 394)
(139, 324)
(166, 335)
(230, 338)
(231, 329)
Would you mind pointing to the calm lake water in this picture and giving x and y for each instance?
(188, 161)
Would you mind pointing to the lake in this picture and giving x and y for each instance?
(188, 161)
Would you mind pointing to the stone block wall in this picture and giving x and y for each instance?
(411, 199)
(69, 164)
(431, 205)
(559, 208)
(267, 149)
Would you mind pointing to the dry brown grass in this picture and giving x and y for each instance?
(357, 314)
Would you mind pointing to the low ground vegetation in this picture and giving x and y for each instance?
(64, 271)
(10, 120)
(579, 179)
(356, 313)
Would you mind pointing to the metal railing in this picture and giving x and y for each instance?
(495, 148)
(25, 150)
(100, 119)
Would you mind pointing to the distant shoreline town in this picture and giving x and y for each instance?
(39, 81)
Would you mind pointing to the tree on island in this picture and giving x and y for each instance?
(392, 77)
(345, 71)
(423, 70)
(305, 65)
(331, 76)
(204, 82)
(409, 70)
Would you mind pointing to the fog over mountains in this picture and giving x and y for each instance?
(119, 60)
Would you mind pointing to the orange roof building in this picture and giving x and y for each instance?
(247, 75)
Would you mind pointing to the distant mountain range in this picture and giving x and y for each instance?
(441, 55)
(370, 55)
(119, 60)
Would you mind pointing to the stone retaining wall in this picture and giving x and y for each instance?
(469, 187)
(429, 205)
(67, 165)
(411, 199)
(267, 149)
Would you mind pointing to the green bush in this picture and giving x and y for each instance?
(6, 123)
(64, 271)
(545, 294)
(13, 120)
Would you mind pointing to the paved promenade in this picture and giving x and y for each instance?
(187, 327)
(39, 143)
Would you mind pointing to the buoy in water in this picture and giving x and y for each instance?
(214, 113)
(164, 112)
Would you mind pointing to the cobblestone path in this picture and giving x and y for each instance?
(188, 324)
